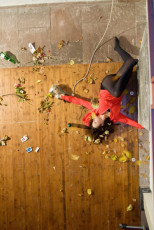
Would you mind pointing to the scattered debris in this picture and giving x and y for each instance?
(4, 140)
(129, 208)
(89, 139)
(80, 194)
(139, 162)
(79, 39)
(77, 132)
(24, 138)
(125, 92)
(133, 159)
(144, 175)
(132, 109)
(122, 145)
(140, 133)
(145, 162)
(106, 156)
(46, 104)
(83, 166)
(104, 152)
(40, 69)
(108, 59)
(1, 99)
(29, 149)
(131, 93)
(86, 90)
(91, 80)
(39, 56)
(95, 102)
(23, 48)
(7, 58)
(21, 80)
(130, 101)
(106, 132)
(36, 93)
(87, 153)
(38, 81)
(75, 157)
(127, 154)
(97, 141)
(147, 157)
(114, 157)
(61, 44)
(89, 191)
(85, 137)
(93, 115)
(71, 62)
(37, 149)
(31, 48)
(120, 138)
(20, 92)
(115, 140)
(123, 159)
(64, 130)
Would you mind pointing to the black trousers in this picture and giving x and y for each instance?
(116, 83)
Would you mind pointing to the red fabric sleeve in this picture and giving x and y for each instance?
(77, 101)
(127, 120)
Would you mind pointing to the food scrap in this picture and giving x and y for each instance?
(39, 57)
(86, 90)
(130, 101)
(108, 59)
(89, 191)
(4, 140)
(129, 208)
(46, 104)
(20, 92)
(132, 109)
(75, 157)
(61, 44)
(71, 62)
(64, 130)
(123, 159)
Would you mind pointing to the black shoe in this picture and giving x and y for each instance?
(116, 43)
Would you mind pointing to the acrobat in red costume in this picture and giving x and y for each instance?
(110, 95)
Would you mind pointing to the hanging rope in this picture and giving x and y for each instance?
(94, 51)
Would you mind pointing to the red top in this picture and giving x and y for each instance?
(106, 101)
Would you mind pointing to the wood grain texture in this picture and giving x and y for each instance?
(48, 189)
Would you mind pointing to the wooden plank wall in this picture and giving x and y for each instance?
(47, 190)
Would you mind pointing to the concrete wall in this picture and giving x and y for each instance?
(144, 83)
(30, 2)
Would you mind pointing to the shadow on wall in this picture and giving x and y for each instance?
(129, 47)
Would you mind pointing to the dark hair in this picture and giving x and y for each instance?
(102, 132)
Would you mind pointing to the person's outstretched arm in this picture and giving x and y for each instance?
(127, 120)
(77, 101)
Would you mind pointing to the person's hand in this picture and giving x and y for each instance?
(58, 96)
